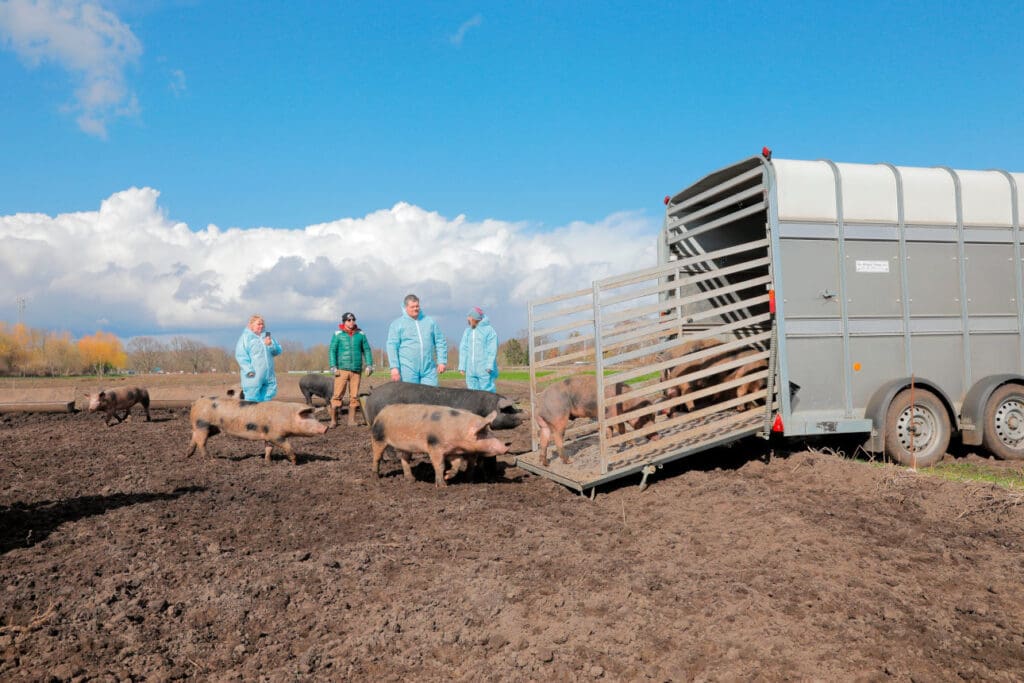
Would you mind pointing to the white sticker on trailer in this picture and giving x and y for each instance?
(872, 266)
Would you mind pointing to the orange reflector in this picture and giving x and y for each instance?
(856, 367)
(771, 301)
(777, 425)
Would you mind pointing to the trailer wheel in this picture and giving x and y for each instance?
(916, 433)
(1004, 423)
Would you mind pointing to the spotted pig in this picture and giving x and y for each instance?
(442, 433)
(113, 401)
(270, 421)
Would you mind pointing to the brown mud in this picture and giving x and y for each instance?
(121, 559)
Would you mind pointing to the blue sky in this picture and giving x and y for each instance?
(547, 119)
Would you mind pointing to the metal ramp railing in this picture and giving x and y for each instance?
(628, 331)
(691, 339)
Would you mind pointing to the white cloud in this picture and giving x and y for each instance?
(147, 274)
(177, 84)
(89, 42)
(457, 38)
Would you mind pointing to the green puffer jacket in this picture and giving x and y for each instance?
(350, 352)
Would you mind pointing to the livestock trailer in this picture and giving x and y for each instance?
(873, 299)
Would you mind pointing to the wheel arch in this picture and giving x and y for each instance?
(879, 403)
(972, 412)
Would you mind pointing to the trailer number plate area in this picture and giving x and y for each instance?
(872, 266)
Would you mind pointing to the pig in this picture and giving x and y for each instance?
(753, 367)
(269, 421)
(112, 401)
(575, 397)
(314, 384)
(686, 367)
(443, 433)
(478, 402)
(724, 376)
(628, 405)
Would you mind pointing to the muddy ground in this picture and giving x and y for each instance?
(121, 559)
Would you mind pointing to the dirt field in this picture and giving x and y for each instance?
(121, 559)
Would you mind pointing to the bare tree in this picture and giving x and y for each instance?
(145, 354)
(189, 354)
(221, 360)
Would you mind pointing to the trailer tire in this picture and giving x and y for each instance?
(1004, 422)
(916, 434)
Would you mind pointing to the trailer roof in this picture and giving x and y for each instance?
(869, 192)
(813, 191)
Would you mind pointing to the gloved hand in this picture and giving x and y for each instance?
(335, 372)
(368, 370)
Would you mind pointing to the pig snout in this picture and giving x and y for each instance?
(307, 426)
(491, 446)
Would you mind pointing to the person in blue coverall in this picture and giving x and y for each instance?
(255, 353)
(478, 352)
(413, 339)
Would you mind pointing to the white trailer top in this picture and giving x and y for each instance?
(807, 192)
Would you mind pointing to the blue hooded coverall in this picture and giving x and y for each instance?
(411, 346)
(478, 356)
(255, 357)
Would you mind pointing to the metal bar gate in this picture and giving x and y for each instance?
(680, 350)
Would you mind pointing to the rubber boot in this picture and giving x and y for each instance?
(334, 417)
(352, 417)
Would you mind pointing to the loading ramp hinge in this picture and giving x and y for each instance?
(647, 470)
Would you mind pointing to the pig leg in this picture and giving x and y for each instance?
(267, 450)
(437, 460)
(406, 467)
(545, 439)
(457, 464)
(559, 434)
(378, 452)
(454, 468)
(199, 437)
(286, 446)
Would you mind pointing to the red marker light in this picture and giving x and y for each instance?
(777, 425)
(667, 200)
(766, 153)
(771, 301)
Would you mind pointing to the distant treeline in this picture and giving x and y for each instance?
(33, 352)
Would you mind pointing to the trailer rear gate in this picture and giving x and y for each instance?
(635, 328)
(850, 280)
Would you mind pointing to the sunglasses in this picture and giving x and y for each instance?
(347, 319)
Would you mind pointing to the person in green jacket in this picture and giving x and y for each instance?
(350, 355)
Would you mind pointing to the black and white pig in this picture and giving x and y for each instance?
(457, 436)
(269, 421)
(113, 401)
(478, 402)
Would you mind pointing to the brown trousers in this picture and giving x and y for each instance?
(350, 378)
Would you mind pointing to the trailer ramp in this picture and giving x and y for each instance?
(689, 339)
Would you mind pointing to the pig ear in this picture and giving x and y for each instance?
(306, 412)
(504, 403)
(490, 417)
(102, 394)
